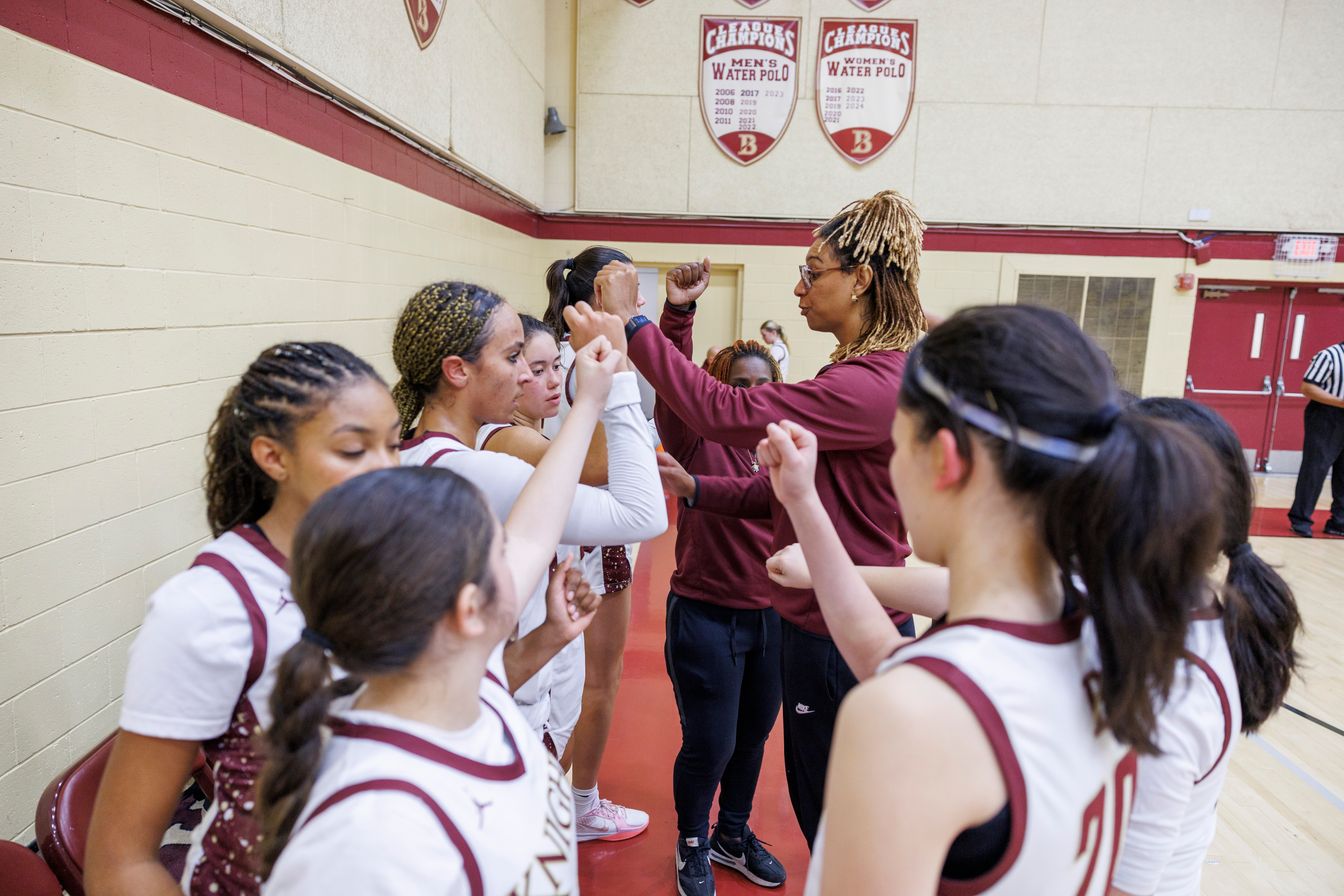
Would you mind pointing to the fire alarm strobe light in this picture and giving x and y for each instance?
(1185, 282)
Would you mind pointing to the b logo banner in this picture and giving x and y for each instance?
(748, 82)
(865, 83)
(425, 18)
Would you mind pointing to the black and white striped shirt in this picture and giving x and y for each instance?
(1326, 370)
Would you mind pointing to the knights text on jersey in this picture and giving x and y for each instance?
(202, 668)
(1069, 789)
(401, 807)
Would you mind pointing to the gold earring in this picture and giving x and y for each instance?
(853, 297)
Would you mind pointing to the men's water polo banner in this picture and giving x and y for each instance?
(425, 18)
(748, 82)
(865, 83)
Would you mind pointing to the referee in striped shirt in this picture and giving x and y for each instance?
(1323, 444)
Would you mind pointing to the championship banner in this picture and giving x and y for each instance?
(425, 18)
(640, 2)
(865, 83)
(870, 5)
(751, 4)
(748, 82)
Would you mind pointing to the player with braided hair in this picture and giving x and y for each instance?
(859, 283)
(304, 417)
(459, 349)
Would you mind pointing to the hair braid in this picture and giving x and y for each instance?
(286, 385)
(442, 320)
(885, 233)
(721, 365)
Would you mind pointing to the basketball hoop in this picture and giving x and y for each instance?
(1304, 255)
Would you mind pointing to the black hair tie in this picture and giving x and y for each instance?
(569, 264)
(317, 639)
(1240, 551)
(1106, 417)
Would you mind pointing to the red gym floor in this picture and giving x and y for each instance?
(637, 767)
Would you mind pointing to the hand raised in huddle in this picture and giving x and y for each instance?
(586, 323)
(616, 290)
(570, 602)
(789, 453)
(687, 282)
(676, 481)
(788, 567)
(594, 367)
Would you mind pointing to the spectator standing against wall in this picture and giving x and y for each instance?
(1323, 442)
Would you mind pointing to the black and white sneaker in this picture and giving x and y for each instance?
(694, 876)
(748, 857)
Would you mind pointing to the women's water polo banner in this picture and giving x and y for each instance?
(748, 82)
(865, 83)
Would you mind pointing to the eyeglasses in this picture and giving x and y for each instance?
(810, 276)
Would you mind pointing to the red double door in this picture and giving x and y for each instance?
(1250, 346)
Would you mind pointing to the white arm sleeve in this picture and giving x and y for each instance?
(189, 660)
(630, 509)
(1189, 734)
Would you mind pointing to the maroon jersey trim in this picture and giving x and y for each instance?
(994, 729)
(1060, 632)
(470, 866)
(418, 746)
(255, 618)
(408, 444)
(253, 535)
(1204, 667)
(493, 433)
(1205, 614)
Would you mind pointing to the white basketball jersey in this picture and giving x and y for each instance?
(400, 806)
(1069, 789)
(1175, 806)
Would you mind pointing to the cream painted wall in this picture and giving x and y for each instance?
(475, 91)
(1026, 112)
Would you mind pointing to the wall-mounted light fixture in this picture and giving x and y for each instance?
(553, 123)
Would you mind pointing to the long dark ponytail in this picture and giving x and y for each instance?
(1125, 503)
(378, 562)
(286, 385)
(1260, 615)
(570, 280)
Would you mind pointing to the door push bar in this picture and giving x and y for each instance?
(1283, 393)
(1190, 387)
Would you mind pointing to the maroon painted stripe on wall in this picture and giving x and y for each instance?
(155, 48)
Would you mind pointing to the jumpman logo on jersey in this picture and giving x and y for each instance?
(480, 808)
(285, 600)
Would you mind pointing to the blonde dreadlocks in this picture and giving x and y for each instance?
(885, 233)
(442, 320)
(721, 365)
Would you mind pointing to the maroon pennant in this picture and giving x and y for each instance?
(639, 2)
(425, 15)
(865, 83)
(870, 5)
(751, 4)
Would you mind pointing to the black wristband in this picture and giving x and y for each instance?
(681, 309)
(633, 325)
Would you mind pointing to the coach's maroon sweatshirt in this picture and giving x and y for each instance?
(849, 405)
(720, 560)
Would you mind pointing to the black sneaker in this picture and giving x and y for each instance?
(694, 876)
(1333, 528)
(1300, 531)
(751, 859)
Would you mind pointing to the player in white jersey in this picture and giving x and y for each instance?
(458, 348)
(303, 418)
(430, 780)
(991, 755)
(1238, 664)
(553, 698)
(606, 565)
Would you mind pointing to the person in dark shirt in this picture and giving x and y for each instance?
(859, 283)
(722, 647)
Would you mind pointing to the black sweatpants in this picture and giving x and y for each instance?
(1322, 452)
(724, 666)
(816, 680)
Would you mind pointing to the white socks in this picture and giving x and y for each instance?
(585, 801)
